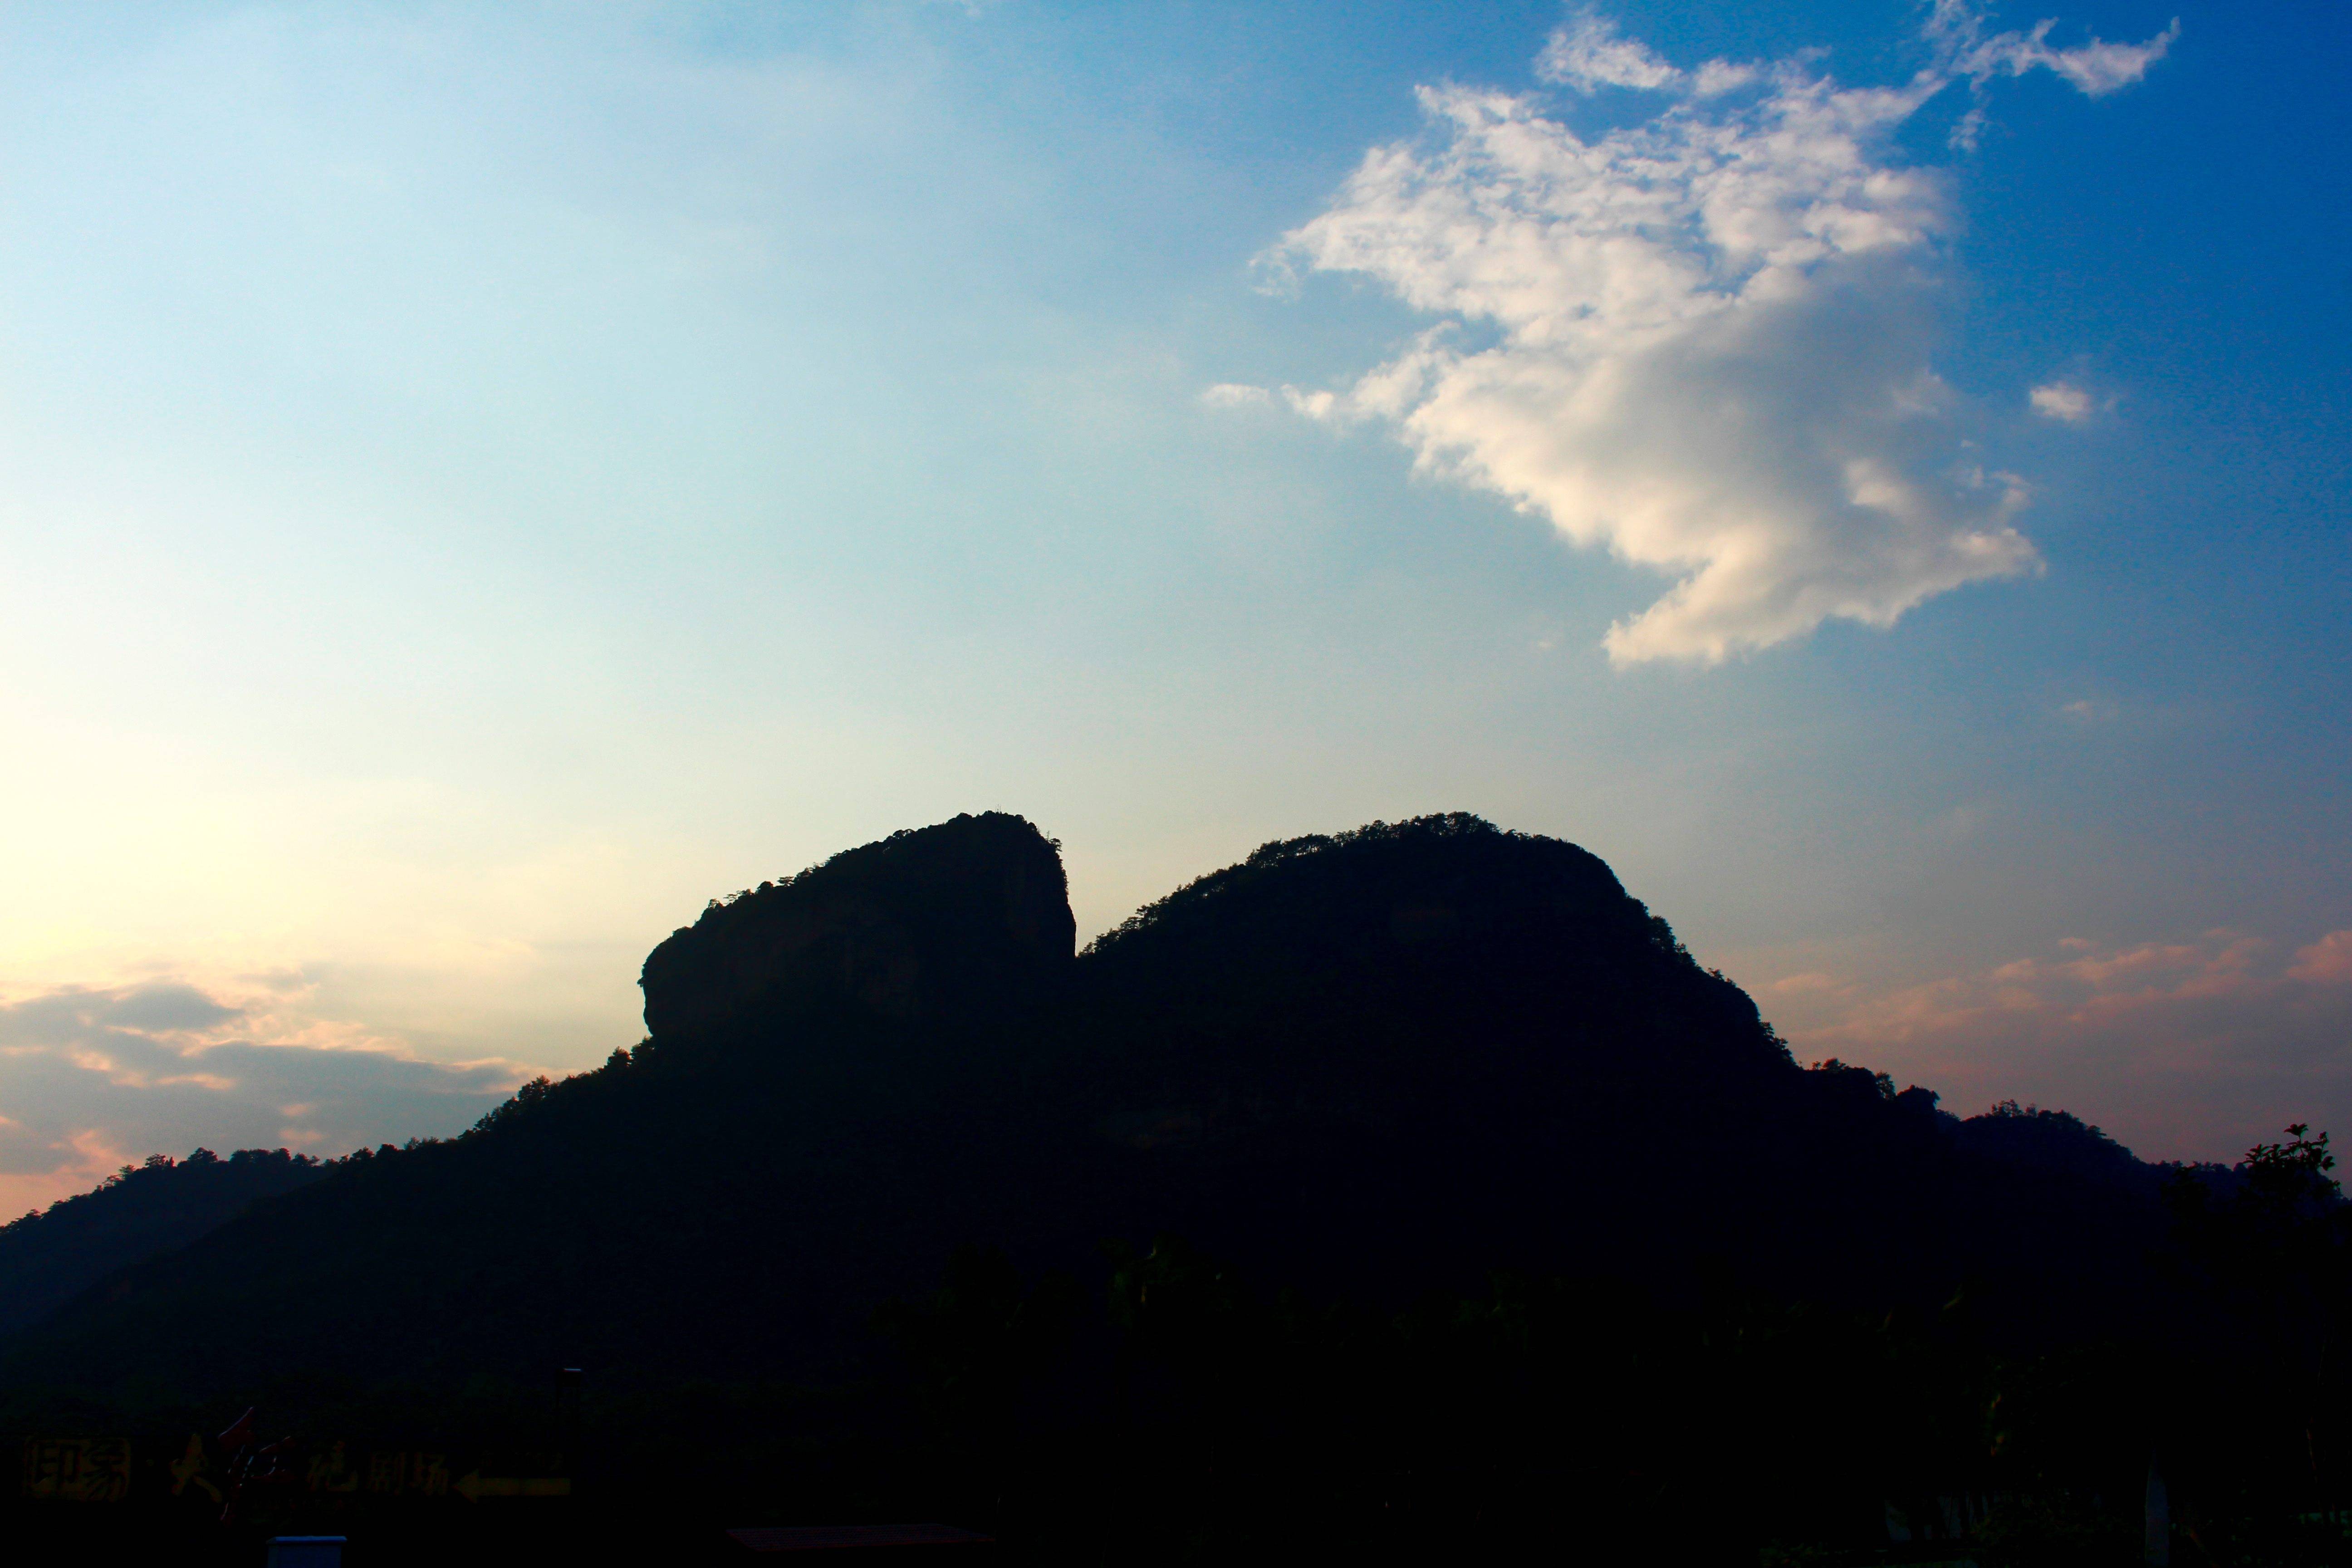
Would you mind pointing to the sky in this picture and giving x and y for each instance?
(477, 482)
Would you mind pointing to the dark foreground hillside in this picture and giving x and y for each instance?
(1480, 1199)
(48, 1257)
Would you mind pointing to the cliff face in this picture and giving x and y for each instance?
(925, 926)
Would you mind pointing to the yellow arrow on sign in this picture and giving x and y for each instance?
(477, 1486)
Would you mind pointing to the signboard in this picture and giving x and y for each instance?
(77, 1469)
(201, 1470)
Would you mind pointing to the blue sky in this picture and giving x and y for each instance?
(476, 483)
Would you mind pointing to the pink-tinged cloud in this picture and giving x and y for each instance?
(2184, 1050)
(92, 1078)
(2327, 962)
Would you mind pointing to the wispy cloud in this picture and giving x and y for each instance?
(1233, 394)
(94, 1077)
(1589, 52)
(1702, 342)
(1957, 27)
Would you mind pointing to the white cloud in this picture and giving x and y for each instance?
(1589, 53)
(1718, 76)
(2062, 401)
(1956, 28)
(1235, 394)
(1704, 341)
(2096, 68)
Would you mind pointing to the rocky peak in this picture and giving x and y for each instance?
(925, 925)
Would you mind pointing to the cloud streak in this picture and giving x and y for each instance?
(1702, 342)
(2194, 1048)
(1957, 29)
(91, 1078)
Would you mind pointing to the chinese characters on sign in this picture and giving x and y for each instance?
(419, 1475)
(77, 1469)
(388, 1475)
(99, 1469)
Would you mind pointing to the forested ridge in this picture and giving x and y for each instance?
(1398, 1185)
(52, 1255)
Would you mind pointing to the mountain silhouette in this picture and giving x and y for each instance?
(926, 924)
(1372, 1064)
(51, 1256)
